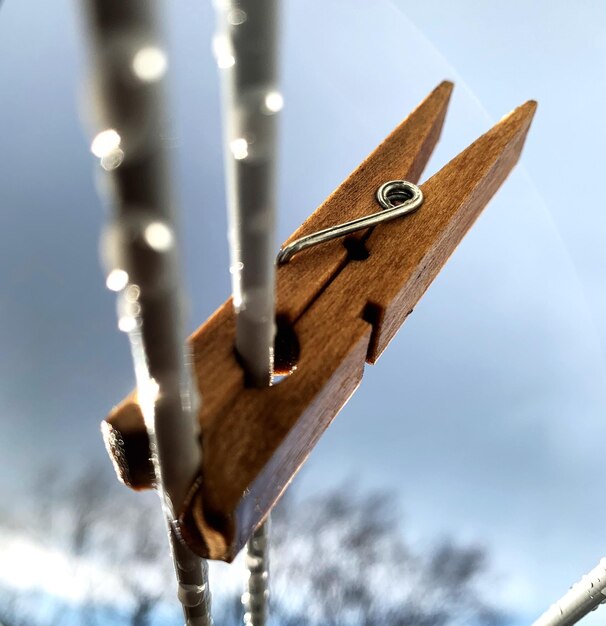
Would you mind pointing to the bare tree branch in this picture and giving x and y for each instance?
(341, 559)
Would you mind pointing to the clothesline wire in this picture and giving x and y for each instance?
(246, 50)
(140, 252)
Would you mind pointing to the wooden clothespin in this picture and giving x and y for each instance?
(338, 307)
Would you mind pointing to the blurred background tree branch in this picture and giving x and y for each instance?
(368, 571)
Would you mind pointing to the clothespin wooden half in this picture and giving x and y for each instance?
(339, 313)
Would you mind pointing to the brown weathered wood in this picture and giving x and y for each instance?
(253, 459)
(403, 154)
(411, 252)
(256, 439)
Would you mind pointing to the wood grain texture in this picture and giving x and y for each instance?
(403, 154)
(244, 478)
(255, 440)
(406, 255)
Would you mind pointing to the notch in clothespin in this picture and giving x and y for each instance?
(339, 304)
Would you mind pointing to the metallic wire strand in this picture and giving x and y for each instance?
(397, 197)
(246, 51)
(256, 596)
(140, 254)
(245, 47)
(582, 598)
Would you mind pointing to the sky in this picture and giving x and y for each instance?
(491, 422)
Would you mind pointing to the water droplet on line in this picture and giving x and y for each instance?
(223, 52)
(274, 102)
(239, 148)
(105, 142)
(158, 236)
(127, 323)
(191, 595)
(132, 293)
(149, 64)
(236, 17)
(112, 160)
(117, 279)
